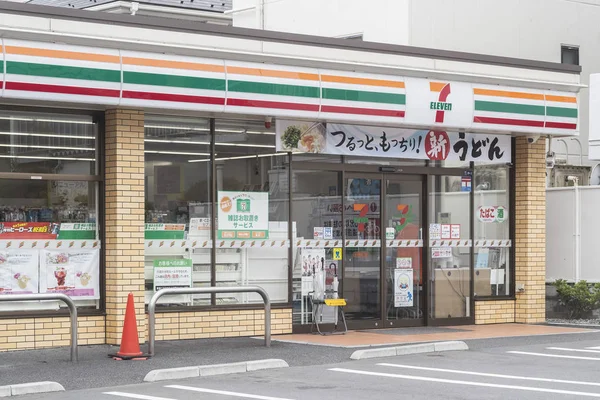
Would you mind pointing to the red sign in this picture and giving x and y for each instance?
(28, 230)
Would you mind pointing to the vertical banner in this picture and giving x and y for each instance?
(74, 273)
(18, 272)
(403, 287)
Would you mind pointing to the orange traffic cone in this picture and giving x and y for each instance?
(130, 343)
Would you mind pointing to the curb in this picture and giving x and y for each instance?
(214, 369)
(409, 349)
(30, 388)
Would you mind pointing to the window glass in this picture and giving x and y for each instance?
(49, 242)
(178, 206)
(47, 143)
(253, 211)
(492, 230)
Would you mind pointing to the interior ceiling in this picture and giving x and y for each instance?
(205, 5)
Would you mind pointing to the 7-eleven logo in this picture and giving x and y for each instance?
(441, 105)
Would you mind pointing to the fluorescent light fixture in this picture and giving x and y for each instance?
(187, 128)
(265, 146)
(181, 153)
(50, 135)
(27, 146)
(48, 158)
(242, 157)
(63, 121)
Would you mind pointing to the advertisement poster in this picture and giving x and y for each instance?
(173, 273)
(199, 226)
(77, 232)
(370, 141)
(435, 231)
(446, 231)
(74, 273)
(18, 272)
(455, 231)
(312, 259)
(243, 215)
(29, 230)
(403, 288)
(403, 262)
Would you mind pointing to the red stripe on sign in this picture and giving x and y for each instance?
(508, 121)
(363, 111)
(272, 104)
(36, 87)
(560, 125)
(179, 98)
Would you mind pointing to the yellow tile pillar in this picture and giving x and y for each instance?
(124, 216)
(530, 236)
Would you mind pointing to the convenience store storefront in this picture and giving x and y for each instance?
(422, 194)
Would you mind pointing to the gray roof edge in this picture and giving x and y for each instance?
(281, 37)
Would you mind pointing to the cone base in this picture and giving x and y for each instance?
(134, 357)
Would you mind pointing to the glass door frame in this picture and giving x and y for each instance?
(427, 174)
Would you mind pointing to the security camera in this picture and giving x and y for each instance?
(532, 139)
(268, 121)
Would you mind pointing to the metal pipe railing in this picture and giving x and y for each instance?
(53, 296)
(206, 290)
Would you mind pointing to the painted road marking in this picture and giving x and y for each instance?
(593, 348)
(554, 355)
(137, 396)
(567, 349)
(524, 378)
(468, 383)
(224, 393)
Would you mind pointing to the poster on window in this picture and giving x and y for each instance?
(18, 272)
(403, 287)
(355, 140)
(74, 273)
(243, 215)
(29, 230)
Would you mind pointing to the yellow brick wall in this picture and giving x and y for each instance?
(124, 244)
(38, 333)
(494, 312)
(530, 240)
(212, 324)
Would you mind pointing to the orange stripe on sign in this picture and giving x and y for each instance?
(362, 81)
(436, 86)
(562, 99)
(505, 93)
(272, 73)
(67, 55)
(148, 62)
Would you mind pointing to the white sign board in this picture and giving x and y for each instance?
(403, 262)
(172, 274)
(19, 271)
(243, 215)
(435, 231)
(441, 252)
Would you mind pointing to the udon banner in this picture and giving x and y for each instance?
(355, 140)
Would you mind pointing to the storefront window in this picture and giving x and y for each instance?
(492, 231)
(49, 232)
(253, 212)
(178, 206)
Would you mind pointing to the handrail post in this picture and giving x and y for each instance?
(205, 290)
(53, 296)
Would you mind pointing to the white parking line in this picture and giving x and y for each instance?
(523, 378)
(224, 393)
(574, 350)
(593, 348)
(554, 355)
(468, 383)
(137, 396)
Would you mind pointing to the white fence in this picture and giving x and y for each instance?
(572, 239)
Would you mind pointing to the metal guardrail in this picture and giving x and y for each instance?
(207, 290)
(53, 296)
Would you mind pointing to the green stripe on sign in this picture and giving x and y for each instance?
(189, 82)
(367, 97)
(273, 88)
(509, 108)
(561, 112)
(61, 71)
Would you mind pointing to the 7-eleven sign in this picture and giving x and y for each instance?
(440, 104)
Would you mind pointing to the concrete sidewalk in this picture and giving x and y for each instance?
(95, 369)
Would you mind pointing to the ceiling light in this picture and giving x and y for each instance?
(26, 146)
(50, 135)
(181, 153)
(48, 158)
(63, 121)
(242, 157)
(265, 146)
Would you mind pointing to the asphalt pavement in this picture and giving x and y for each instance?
(538, 367)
